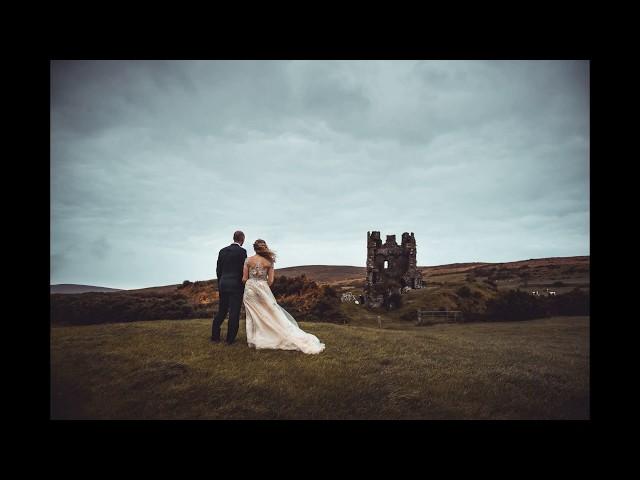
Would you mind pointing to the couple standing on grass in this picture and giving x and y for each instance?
(247, 280)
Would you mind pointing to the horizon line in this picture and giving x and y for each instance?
(321, 265)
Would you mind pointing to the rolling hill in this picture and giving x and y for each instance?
(573, 271)
(464, 287)
(73, 288)
(348, 274)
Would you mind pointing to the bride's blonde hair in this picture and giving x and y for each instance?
(261, 248)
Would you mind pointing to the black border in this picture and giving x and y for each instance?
(423, 43)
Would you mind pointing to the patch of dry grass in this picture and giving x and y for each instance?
(536, 369)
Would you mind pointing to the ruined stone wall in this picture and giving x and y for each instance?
(390, 267)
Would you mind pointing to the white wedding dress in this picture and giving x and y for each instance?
(269, 325)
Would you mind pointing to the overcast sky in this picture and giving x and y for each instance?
(154, 164)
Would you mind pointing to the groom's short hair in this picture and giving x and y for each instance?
(238, 236)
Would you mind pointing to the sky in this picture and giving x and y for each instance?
(154, 164)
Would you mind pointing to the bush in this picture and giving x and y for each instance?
(469, 317)
(501, 274)
(514, 305)
(327, 307)
(301, 297)
(464, 292)
(97, 307)
(485, 271)
(491, 283)
(517, 305)
(300, 285)
(393, 301)
(575, 302)
(305, 300)
(411, 315)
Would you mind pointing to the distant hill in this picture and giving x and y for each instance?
(442, 290)
(345, 275)
(73, 288)
(317, 273)
(579, 262)
(342, 273)
(162, 289)
(324, 273)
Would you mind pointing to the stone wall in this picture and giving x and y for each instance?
(390, 267)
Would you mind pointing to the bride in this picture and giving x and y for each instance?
(268, 324)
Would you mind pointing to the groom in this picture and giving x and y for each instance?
(230, 286)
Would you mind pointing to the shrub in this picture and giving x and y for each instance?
(305, 300)
(327, 307)
(411, 315)
(393, 301)
(94, 307)
(501, 274)
(464, 292)
(299, 285)
(575, 302)
(514, 305)
(517, 305)
(485, 271)
(491, 283)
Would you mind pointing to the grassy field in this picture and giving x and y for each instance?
(536, 369)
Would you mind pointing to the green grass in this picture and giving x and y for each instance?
(536, 369)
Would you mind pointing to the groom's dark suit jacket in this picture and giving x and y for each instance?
(229, 268)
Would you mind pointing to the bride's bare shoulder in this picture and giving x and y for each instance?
(264, 262)
(259, 260)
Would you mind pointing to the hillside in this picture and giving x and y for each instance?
(161, 289)
(537, 369)
(325, 273)
(468, 287)
(73, 288)
(561, 274)
(553, 265)
(464, 287)
(546, 270)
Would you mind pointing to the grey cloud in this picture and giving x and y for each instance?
(154, 164)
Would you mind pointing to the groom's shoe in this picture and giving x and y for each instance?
(215, 340)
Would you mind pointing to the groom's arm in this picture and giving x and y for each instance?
(245, 272)
(219, 266)
(245, 268)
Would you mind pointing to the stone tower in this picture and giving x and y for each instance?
(390, 267)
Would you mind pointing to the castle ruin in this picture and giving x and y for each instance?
(391, 268)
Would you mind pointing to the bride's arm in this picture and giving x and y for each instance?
(271, 275)
(245, 272)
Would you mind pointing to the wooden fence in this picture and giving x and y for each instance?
(429, 316)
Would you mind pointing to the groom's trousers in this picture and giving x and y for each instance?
(229, 302)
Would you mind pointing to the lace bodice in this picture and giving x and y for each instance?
(257, 271)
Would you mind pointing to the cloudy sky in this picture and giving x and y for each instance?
(154, 164)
